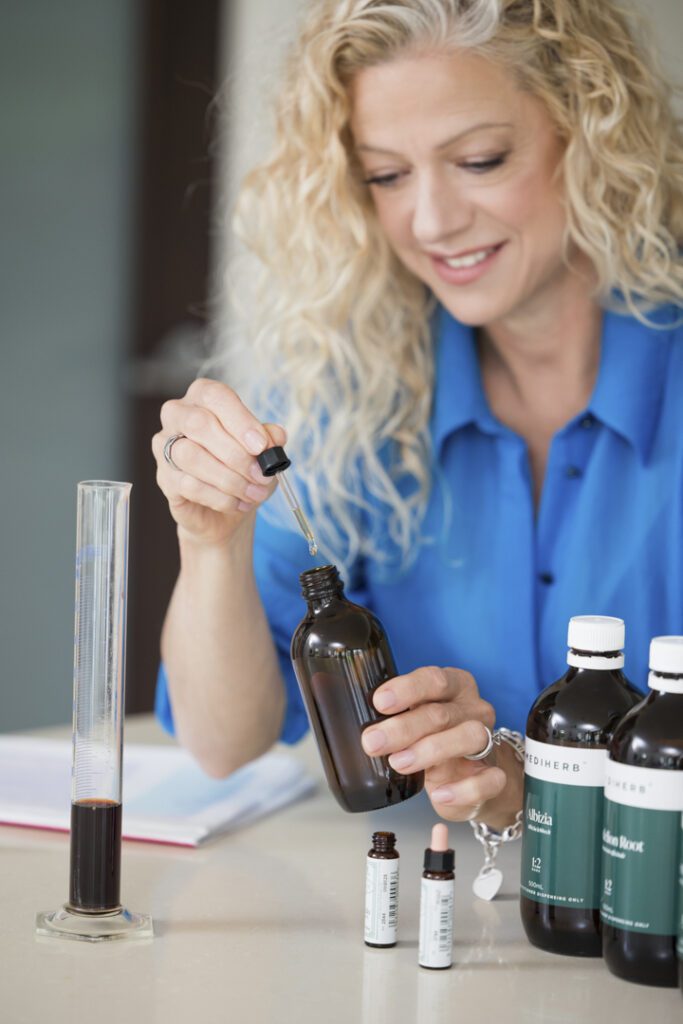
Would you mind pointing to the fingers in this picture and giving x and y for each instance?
(201, 477)
(214, 456)
(461, 799)
(230, 412)
(425, 684)
(434, 684)
(466, 738)
(425, 702)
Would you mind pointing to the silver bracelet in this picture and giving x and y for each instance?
(490, 878)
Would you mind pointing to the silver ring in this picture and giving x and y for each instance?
(487, 749)
(168, 445)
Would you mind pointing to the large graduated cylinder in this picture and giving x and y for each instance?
(99, 665)
(94, 910)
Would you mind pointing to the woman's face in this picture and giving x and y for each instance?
(461, 165)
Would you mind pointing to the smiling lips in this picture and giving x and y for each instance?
(470, 259)
(466, 267)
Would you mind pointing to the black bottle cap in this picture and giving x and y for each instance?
(439, 860)
(273, 460)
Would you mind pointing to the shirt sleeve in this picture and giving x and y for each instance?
(162, 703)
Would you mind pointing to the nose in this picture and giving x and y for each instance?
(439, 210)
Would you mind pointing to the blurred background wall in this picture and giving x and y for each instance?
(125, 126)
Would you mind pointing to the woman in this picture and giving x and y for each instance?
(466, 314)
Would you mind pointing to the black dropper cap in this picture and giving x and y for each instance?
(439, 860)
(273, 460)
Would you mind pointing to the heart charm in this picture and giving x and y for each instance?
(487, 883)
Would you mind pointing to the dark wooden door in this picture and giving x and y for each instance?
(179, 62)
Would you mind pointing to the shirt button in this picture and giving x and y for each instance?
(573, 472)
(587, 422)
(546, 577)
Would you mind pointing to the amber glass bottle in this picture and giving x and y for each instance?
(341, 654)
(568, 729)
(381, 891)
(642, 827)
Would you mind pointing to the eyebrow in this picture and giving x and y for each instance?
(442, 145)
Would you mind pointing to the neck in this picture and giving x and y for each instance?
(547, 358)
(539, 368)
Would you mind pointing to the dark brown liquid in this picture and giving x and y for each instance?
(95, 856)
(341, 655)
(651, 737)
(581, 709)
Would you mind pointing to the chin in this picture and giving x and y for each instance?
(474, 312)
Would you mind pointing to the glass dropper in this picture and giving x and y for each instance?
(274, 461)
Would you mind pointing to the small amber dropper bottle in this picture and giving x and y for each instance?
(381, 891)
(436, 902)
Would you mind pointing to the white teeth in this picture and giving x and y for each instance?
(470, 260)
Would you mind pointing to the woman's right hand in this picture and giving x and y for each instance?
(218, 482)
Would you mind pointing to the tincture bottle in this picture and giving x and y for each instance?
(381, 891)
(642, 827)
(436, 903)
(341, 654)
(568, 729)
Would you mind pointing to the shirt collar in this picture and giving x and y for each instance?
(633, 362)
(632, 374)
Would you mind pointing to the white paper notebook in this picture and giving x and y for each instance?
(166, 797)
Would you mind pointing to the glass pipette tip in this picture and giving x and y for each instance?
(298, 513)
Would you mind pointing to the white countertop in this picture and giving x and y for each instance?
(266, 926)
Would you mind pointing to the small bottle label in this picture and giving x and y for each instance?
(640, 848)
(381, 901)
(436, 923)
(563, 797)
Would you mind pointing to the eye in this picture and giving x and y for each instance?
(382, 180)
(482, 166)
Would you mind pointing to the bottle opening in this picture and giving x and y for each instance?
(383, 842)
(323, 581)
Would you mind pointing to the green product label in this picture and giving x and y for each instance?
(641, 848)
(561, 843)
(640, 868)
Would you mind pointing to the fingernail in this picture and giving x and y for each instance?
(244, 506)
(256, 474)
(255, 442)
(384, 700)
(444, 794)
(403, 759)
(255, 492)
(374, 741)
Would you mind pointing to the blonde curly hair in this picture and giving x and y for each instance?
(338, 345)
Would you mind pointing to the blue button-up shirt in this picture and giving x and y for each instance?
(495, 581)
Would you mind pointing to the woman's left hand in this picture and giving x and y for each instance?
(437, 717)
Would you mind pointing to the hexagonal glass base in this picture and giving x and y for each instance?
(67, 923)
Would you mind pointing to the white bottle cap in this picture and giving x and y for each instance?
(596, 633)
(594, 636)
(666, 655)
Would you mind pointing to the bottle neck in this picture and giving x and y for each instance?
(383, 842)
(665, 682)
(600, 661)
(321, 586)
